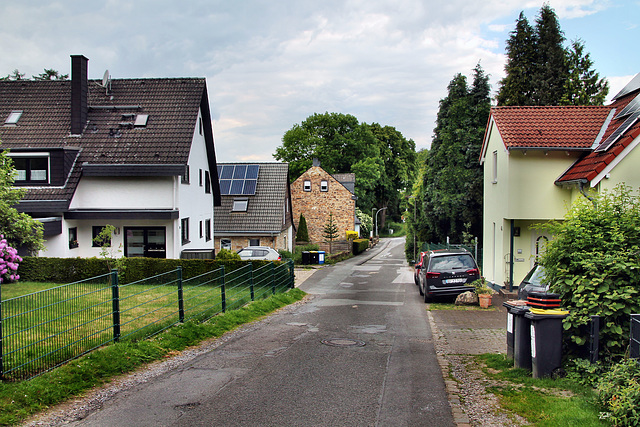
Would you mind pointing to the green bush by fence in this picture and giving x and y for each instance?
(67, 270)
(360, 245)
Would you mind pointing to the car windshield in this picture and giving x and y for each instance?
(452, 262)
(535, 276)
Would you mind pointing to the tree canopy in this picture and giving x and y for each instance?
(452, 184)
(382, 159)
(541, 71)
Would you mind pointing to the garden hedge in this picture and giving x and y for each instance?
(69, 270)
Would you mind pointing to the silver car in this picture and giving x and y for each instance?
(259, 253)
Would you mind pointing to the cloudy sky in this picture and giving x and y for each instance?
(271, 64)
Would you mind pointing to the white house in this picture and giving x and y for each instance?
(134, 153)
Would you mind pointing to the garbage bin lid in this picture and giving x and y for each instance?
(555, 312)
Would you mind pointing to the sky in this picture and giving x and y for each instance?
(271, 64)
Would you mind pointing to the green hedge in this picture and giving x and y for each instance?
(69, 270)
(360, 245)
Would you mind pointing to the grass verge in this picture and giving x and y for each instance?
(541, 401)
(19, 400)
(450, 306)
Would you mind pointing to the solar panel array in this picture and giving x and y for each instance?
(631, 108)
(238, 179)
(619, 132)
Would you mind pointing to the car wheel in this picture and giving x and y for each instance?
(427, 297)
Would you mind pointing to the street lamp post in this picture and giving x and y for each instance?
(381, 209)
(372, 210)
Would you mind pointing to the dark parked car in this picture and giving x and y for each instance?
(532, 282)
(447, 273)
(416, 268)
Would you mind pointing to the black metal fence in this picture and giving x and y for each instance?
(46, 329)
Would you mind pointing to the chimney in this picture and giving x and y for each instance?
(79, 93)
(316, 161)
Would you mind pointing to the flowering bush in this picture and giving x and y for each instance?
(9, 259)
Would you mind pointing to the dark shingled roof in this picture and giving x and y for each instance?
(265, 209)
(109, 137)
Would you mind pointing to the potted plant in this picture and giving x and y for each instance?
(483, 291)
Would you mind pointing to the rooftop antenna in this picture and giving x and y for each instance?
(106, 82)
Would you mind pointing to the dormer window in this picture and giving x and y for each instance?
(13, 118)
(31, 167)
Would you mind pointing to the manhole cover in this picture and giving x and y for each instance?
(343, 342)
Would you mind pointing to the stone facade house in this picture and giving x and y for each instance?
(137, 154)
(256, 206)
(316, 194)
(538, 160)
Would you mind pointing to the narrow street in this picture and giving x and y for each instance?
(357, 352)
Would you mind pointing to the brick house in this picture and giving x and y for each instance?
(137, 154)
(316, 194)
(255, 208)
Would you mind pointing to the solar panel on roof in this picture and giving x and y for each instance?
(238, 179)
(618, 132)
(633, 85)
(631, 108)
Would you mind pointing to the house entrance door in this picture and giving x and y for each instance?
(150, 242)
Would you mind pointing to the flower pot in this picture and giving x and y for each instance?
(485, 300)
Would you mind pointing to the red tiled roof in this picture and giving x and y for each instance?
(568, 127)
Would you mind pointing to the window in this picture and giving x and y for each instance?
(31, 168)
(495, 167)
(324, 186)
(225, 244)
(201, 230)
(13, 117)
(200, 125)
(307, 185)
(184, 230)
(207, 230)
(254, 242)
(149, 242)
(95, 232)
(73, 237)
(141, 120)
(186, 178)
(240, 205)
(200, 178)
(207, 182)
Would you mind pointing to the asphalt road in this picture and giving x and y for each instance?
(359, 352)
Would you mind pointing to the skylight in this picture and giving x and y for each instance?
(13, 118)
(141, 120)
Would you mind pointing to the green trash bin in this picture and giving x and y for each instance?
(546, 342)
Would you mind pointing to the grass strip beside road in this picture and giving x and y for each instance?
(541, 401)
(19, 400)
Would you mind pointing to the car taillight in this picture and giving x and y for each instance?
(432, 275)
(473, 271)
(279, 258)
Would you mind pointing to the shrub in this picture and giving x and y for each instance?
(9, 260)
(360, 245)
(226, 254)
(302, 234)
(593, 262)
(619, 393)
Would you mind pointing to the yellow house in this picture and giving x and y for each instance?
(538, 160)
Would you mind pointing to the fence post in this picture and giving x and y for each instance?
(253, 295)
(223, 292)
(115, 301)
(634, 344)
(292, 275)
(180, 296)
(594, 341)
(273, 278)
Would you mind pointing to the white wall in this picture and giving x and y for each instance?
(124, 193)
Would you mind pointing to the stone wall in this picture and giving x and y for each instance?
(316, 205)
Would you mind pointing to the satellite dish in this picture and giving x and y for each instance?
(105, 78)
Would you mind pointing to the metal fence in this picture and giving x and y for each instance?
(634, 342)
(46, 329)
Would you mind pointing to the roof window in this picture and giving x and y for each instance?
(240, 205)
(13, 118)
(141, 120)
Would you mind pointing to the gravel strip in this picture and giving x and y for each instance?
(471, 403)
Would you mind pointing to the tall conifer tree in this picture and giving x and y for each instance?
(551, 71)
(516, 87)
